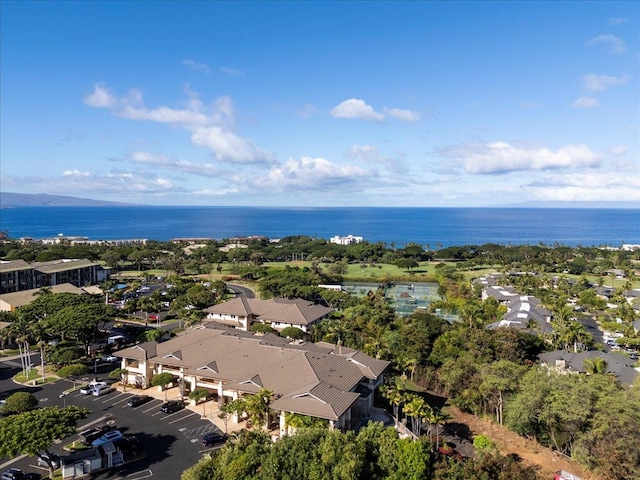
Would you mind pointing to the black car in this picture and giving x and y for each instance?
(172, 406)
(211, 439)
(16, 474)
(138, 400)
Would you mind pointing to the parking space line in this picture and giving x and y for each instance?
(152, 408)
(182, 418)
(123, 400)
(112, 398)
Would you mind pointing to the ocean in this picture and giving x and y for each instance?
(435, 227)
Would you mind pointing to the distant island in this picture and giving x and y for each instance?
(9, 199)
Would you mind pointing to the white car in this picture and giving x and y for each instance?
(100, 390)
(88, 389)
(109, 359)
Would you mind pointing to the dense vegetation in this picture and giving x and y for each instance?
(493, 373)
(374, 453)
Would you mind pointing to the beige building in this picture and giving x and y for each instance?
(9, 302)
(278, 313)
(18, 275)
(315, 379)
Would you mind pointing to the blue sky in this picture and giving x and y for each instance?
(321, 103)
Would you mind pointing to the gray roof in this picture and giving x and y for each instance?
(619, 365)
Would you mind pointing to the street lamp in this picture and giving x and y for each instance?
(63, 396)
(95, 366)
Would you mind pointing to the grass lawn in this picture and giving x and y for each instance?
(34, 374)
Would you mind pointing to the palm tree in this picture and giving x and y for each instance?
(417, 409)
(396, 396)
(596, 366)
(438, 418)
(21, 330)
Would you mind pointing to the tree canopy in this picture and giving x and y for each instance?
(33, 432)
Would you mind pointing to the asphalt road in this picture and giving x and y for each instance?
(171, 442)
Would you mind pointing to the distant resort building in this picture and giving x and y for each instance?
(18, 275)
(80, 240)
(348, 240)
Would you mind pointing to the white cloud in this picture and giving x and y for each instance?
(100, 98)
(599, 83)
(616, 44)
(115, 184)
(614, 22)
(168, 163)
(312, 174)
(585, 102)
(596, 187)
(196, 66)
(308, 110)
(75, 173)
(229, 147)
(218, 192)
(500, 157)
(619, 150)
(356, 108)
(364, 154)
(209, 127)
(404, 115)
(232, 72)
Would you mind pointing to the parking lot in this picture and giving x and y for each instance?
(170, 442)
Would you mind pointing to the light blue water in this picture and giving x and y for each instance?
(433, 226)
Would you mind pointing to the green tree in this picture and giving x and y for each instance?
(595, 366)
(292, 332)
(73, 372)
(257, 407)
(162, 380)
(44, 427)
(199, 394)
(120, 374)
(83, 322)
(19, 402)
(498, 379)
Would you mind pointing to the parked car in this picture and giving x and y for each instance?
(109, 358)
(16, 474)
(88, 389)
(55, 460)
(91, 434)
(107, 437)
(172, 406)
(211, 439)
(100, 390)
(138, 400)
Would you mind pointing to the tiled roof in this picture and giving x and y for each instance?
(25, 297)
(55, 266)
(296, 312)
(14, 265)
(619, 365)
(247, 362)
(140, 352)
(320, 400)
